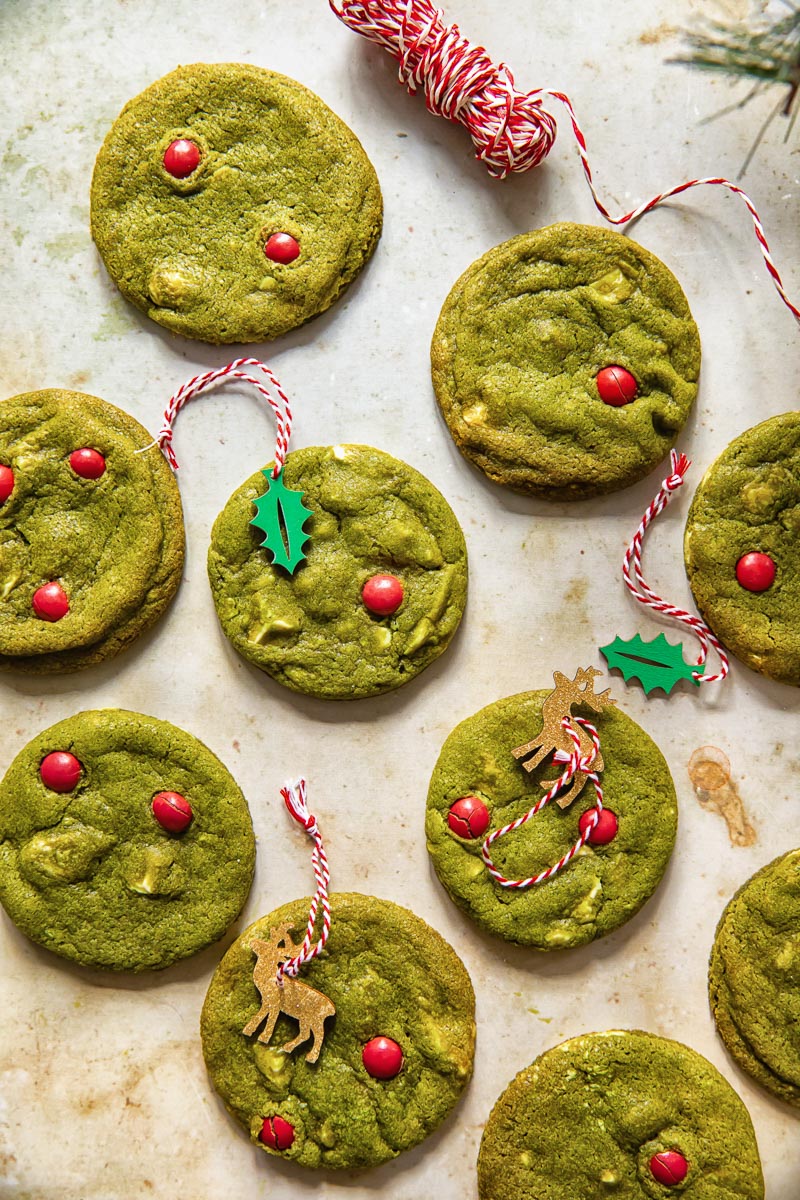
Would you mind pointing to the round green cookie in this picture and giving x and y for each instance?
(114, 544)
(372, 514)
(387, 974)
(603, 886)
(520, 341)
(90, 873)
(749, 500)
(754, 974)
(273, 159)
(584, 1121)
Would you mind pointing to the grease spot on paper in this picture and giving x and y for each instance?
(710, 773)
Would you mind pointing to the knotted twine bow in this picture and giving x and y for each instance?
(294, 796)
(510, 129)
(574, 762)
(642, 592)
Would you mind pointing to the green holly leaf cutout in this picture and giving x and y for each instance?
(656, 664)
(281, 515)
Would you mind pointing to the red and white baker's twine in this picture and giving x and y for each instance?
(294, 796)
(510, 129)
(574, 762)
(211, 379)
(642, 592)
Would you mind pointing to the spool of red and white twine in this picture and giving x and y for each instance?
(511, 130)
(574, 762)
(294, 796)
(641, 591)
(271, 390)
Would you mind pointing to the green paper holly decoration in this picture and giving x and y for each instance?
(655, 664)
(281, 516)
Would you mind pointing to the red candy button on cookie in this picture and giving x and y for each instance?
(60, 771)
(755, 571)
(50, 602)
(281, 248)
(382, 1058)
(6, 483)
(604, 831)
(172, 811)
(87, 463)
(382, 594)
(468, 817)
(276, 1133)
(181, 158)
(669, 1167)
(616, 386)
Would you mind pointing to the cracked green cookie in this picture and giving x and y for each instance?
(521, 347)
(753, 977)
(91, 531)
(388, 975)
(90, 872)
(746, 507)
(231, 205)
(604, 885)
(373, 516)
(617, 1114)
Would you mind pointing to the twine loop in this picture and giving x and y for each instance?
(510, 130)
(575, 762)
(294, 796)
(641, 591)
(271, 390)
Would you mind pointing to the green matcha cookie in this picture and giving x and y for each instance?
(373, 517)
(124, 842)
(742, 547)
(536, 332)
(625, 1114)
(91, 531)
(754, 974)
(389, 976)
(604, 885)
(231, 205)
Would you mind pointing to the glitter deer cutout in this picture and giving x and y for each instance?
(554, 738)
(290, 996)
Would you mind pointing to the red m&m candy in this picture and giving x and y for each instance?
(50, 602)
(181, 158)
(604, 831)
(282, 248)
(616, 386)
(6, 482)
(87, 463)
(382, 1058)
(755, 571)
(60, 771)
(468, 817)
(276, 1133)
(172, 811)
(669, 1167)
(382, 594)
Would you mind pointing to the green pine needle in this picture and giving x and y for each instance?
(765, 55)
(771, 53)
